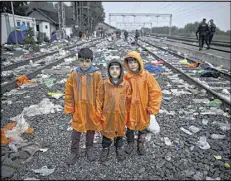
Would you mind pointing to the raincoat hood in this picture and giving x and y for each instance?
(136, 55)
(121, 72)
(90, 70)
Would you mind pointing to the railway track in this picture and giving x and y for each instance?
(184, 41)
(12, 84)
(216, 43)
(22, 67)
(26, 61)
(214, 86)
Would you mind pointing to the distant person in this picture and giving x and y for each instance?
(212, 30)
(80, 34)
(203, 30)
(126, 35)
(137, 35)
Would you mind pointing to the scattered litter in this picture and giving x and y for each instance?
(13, 147)
(227, 165)
(185, 61)
(203, 144)
(154, 69)
(28, 85)
(44, 107)
(23, 79)
(19, 129)
(167, 141)
(29, 178)
(166, 92)
(201, 100)
(177, 147)
(223, 126)
(225, 91)
(153, 126)
(43, 149)
(218, 157)
(49, 81)
(194, 129)
(185, 131)
(69, 128)
(44, 171)
(217, 136)
(148, 137)
(167, 98)
(204, 121)
(29, 130)
(210, 178)
(166, 112)
(214, 103)
(56, 95)
(16, 92)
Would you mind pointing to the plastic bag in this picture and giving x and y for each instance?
(153, 126)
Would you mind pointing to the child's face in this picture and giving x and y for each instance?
(85, 64)
(133, 64)
(115, 71)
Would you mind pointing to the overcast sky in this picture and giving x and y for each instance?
(182, 12)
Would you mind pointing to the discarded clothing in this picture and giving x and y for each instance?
(10, 162)
(195, 64)
(23, 79)
(154, 69)
(209, 73)
(185, 61)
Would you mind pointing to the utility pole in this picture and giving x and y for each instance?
(16, 38)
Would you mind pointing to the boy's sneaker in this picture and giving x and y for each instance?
(140, 148)
(129, 147)
(90, 154)
(72, 158)
(120, 154)
(104, 154)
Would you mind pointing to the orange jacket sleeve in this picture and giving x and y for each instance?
(69, 106)
(154, 95)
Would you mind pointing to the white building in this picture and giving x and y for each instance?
(7, 24)
(106, 28)
(47, 21)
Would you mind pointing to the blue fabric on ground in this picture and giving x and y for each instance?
(154, 69)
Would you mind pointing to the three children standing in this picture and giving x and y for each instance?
(111, 105)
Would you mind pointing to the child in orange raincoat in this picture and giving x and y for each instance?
(146, 100)
(115, 96)
(82, 101)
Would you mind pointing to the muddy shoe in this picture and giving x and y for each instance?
(120, 154)
(104, 154)
(72, 158)
(141, 149)
(90, 154)
(129, 147)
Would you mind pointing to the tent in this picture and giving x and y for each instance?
(23, 27)
(53, 37)
(20, 35)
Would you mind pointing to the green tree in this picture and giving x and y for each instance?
(20, 7)
(49, 6)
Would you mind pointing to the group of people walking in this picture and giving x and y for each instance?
(206, 32)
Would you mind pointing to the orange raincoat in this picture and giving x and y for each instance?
(115, 100)
(146, 95)
(82, 99)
